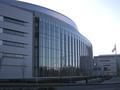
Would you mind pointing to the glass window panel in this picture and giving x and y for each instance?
(16, 44)
(43, 29)
(1, 42)
(12, 20)
(1, 18)
(13, 32)
(1, 54)
(43, 61)
(43, 51)
(1, 30)
(12, 55)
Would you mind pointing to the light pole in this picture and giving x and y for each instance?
(115, 50)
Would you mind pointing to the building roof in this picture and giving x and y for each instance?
(32, 7)
(107, 55)
(40, 9)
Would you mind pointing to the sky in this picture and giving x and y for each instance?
(98, 20)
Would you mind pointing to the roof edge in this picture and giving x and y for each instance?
(41, 9)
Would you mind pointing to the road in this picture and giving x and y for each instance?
(113, 80)
(91, 87)
(112, 84)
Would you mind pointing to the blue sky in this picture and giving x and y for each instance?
(98, 20)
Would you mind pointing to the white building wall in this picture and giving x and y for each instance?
(105, 66)
(15, 42)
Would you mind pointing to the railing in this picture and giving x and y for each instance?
(45, 83)
(71, 79)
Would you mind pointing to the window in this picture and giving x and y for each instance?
(0, 55)
(1, 42)
(11, 43)
(0, 59)
(14, 32)
(15, 21)
(1, 30)
(13, 55)
(1, 18)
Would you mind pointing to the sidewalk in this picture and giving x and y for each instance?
(113, 80)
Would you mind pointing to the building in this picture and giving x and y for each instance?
(38, 42)
(106, 65)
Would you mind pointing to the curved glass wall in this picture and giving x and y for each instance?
(60, 50)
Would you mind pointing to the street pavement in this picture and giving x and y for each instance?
(112, 84)
(91, 87)
(112, 80)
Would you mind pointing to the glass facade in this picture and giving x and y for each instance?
(38, 42)
(59, 48)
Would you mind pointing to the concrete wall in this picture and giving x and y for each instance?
(105, 66)
(15, 59)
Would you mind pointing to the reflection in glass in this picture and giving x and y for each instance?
(61, 49)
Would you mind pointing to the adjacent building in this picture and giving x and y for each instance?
(38, 42)
(106, 65)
